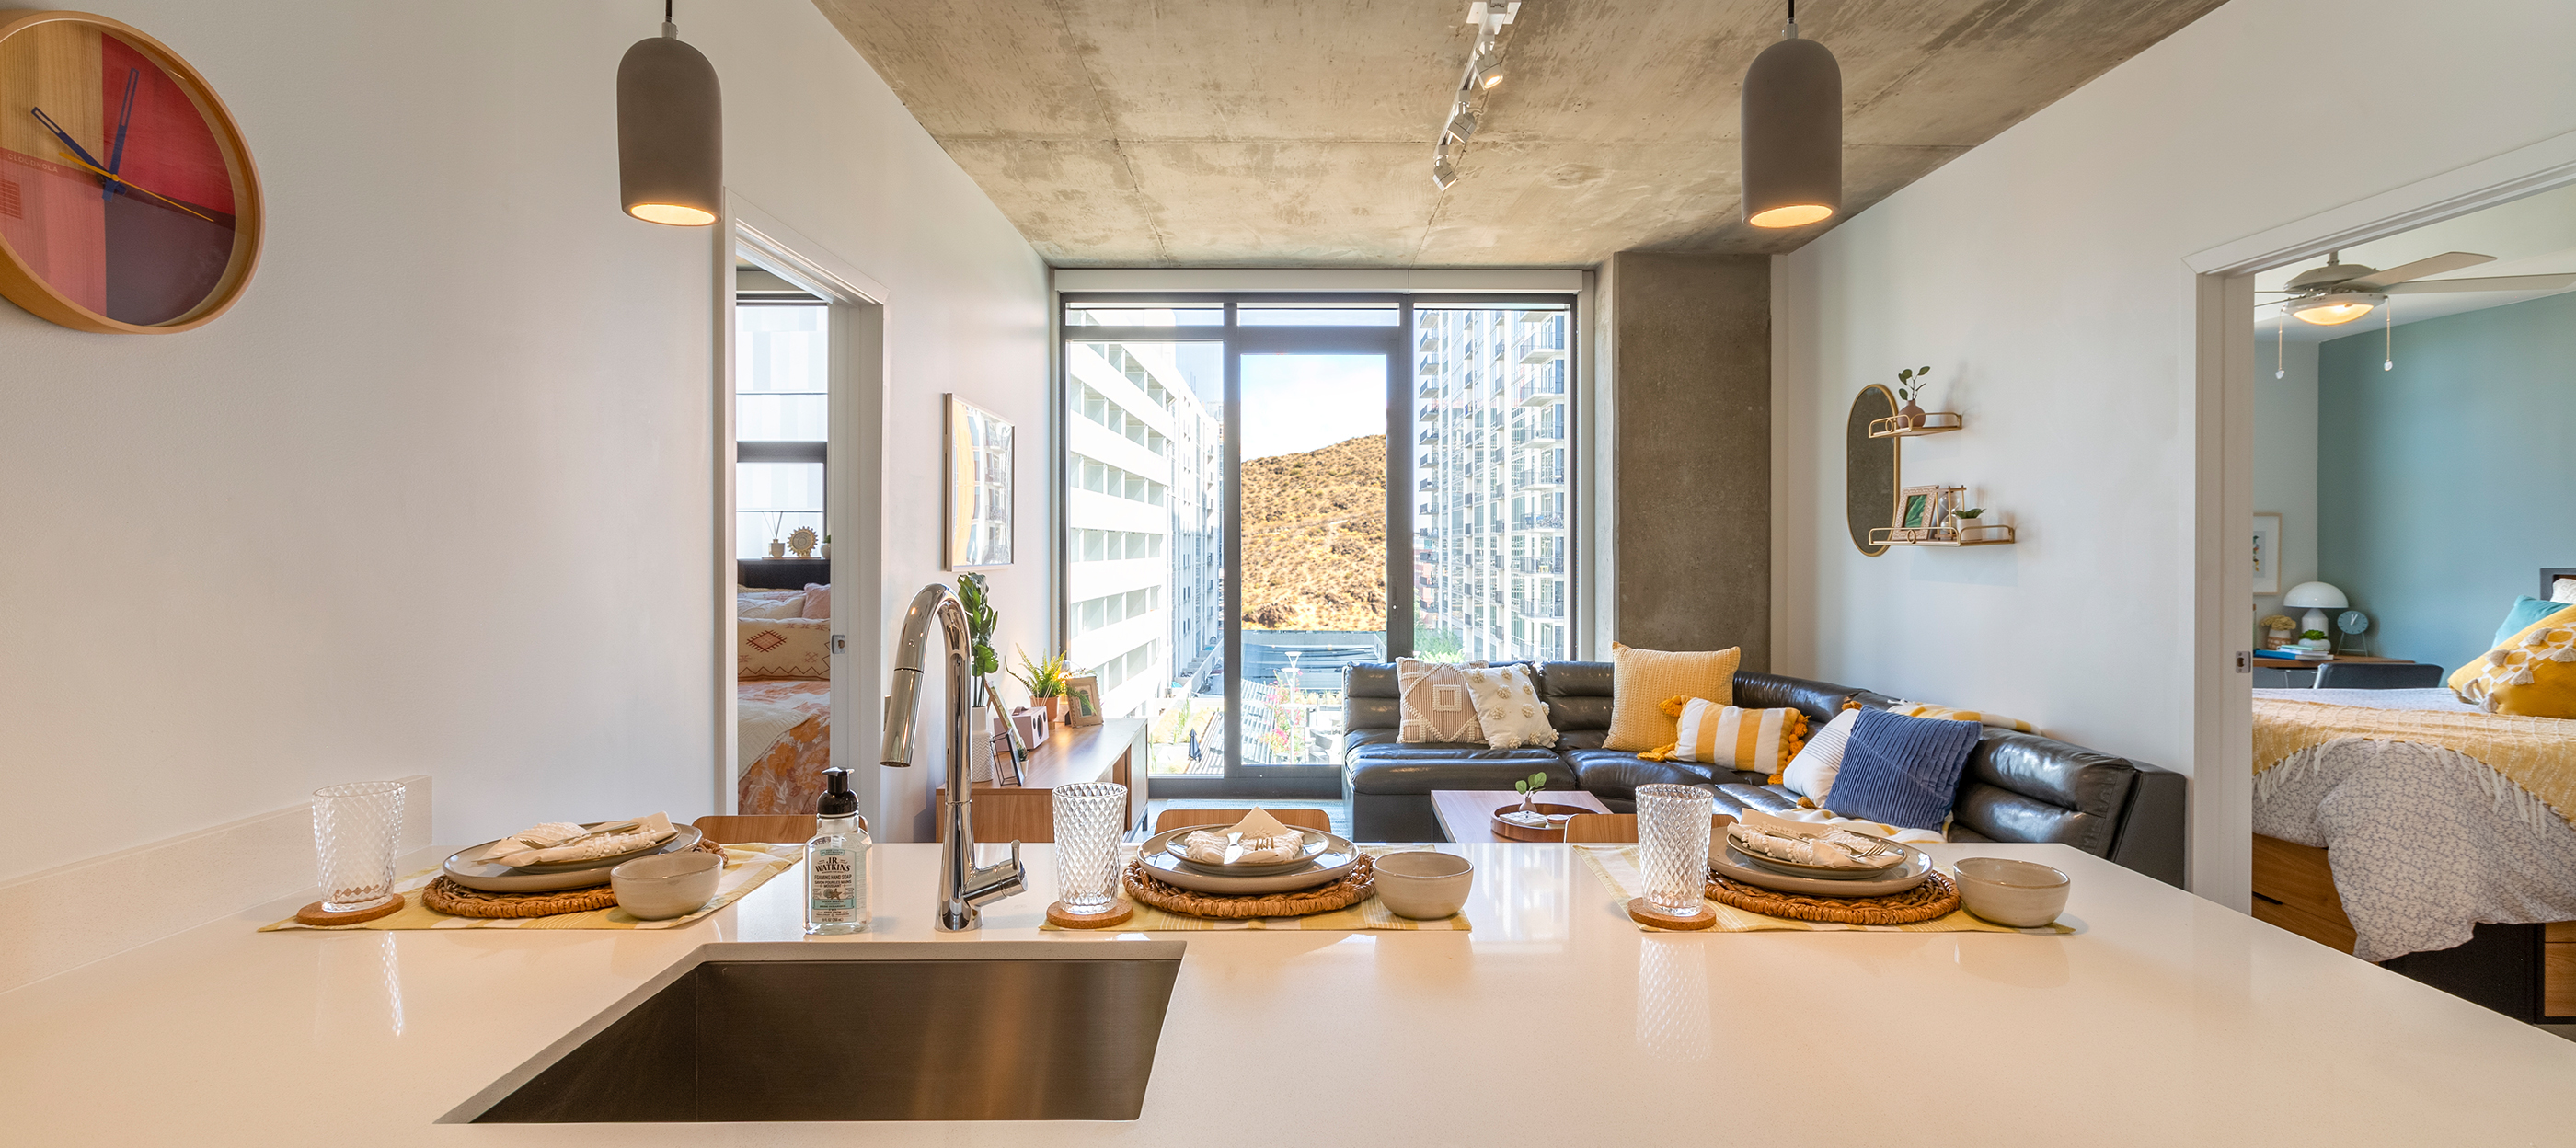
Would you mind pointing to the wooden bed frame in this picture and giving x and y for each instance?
(2527, 972)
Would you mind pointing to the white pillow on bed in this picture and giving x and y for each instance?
(785, 604)
(2563, 590)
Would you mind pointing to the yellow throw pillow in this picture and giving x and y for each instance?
(783, 647)
(1640, 680)
(2533, 674)
(1756, 741)
(1981, 717)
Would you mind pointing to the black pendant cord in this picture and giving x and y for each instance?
(666, 10)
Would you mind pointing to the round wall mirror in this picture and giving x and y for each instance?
(1869, 468)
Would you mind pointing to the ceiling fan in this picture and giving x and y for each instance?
(2341, 292)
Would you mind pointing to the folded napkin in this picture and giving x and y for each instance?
(1782, 840)
(1263, 839)
(559, 841)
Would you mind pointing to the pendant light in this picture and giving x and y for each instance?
(1793, 132)
(670, 131)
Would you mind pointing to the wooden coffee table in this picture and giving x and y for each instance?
(1467, 815)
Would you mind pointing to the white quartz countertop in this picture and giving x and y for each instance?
(2166, 1020)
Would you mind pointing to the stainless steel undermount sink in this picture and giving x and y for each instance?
(1006, 1030)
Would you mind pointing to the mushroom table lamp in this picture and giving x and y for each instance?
(2317, 597)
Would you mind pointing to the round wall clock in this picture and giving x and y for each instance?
(127, 198)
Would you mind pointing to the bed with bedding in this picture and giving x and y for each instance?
(782, 698)
(2433, 813)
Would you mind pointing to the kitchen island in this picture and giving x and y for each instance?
(2165, 1020)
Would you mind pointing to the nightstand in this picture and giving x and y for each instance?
(2284, 674)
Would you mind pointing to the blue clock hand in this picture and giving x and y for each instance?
(125, 116)
(66, 137)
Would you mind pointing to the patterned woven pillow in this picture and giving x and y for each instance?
(1435, 703)
(1507, 702)
(783, 647)
(2532, 674)
(1756, 741)
(1640, 680)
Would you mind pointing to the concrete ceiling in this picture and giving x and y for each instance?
(1135, 133)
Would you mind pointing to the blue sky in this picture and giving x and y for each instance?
(1296, 403)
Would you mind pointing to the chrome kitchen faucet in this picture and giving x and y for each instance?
(962, 886)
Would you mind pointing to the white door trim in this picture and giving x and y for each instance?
(859, 369)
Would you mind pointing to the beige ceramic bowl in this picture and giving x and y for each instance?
(667, 885)
(1423, 885)
(2022, 894)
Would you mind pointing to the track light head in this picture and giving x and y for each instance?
(1443, 173)
(1462, 124)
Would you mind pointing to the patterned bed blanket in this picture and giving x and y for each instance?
(2427, 834)
(788, 778)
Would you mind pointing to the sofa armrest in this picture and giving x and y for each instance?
(2151, 838)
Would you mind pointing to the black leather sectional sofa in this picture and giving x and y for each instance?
(2016, 787)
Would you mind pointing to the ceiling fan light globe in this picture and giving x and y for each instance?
(2335, 309)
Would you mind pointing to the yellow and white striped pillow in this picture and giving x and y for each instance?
(1758, 741)
(1928, 710)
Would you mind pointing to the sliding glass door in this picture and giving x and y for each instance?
(1241, 482)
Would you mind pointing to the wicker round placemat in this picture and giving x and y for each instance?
(1935, 897)
(446, 896)
(1353, 888)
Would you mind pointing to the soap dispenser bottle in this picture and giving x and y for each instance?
(836, 861)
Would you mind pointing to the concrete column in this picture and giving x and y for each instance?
(1690, 373)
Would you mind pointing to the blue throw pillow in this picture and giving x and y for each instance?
(1902, 770)
(2526, 610)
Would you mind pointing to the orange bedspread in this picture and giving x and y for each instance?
(789, 778)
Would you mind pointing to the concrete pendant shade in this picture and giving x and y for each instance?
(1793, 135)
(670, 133)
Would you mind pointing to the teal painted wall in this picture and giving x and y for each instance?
(2444, 486)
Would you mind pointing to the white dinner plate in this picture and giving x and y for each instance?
(1317, 842)
(492, 878)
(1729, 861)
(1334, 861)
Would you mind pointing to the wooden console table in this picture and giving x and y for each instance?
(1111, 751)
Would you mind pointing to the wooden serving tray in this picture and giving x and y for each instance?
(1512, 832)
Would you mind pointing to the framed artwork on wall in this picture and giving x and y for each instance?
(2267, 552)
(979, 487)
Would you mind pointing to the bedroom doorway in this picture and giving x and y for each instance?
(798, 522)
(2234, 362)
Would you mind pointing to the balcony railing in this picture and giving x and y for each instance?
(1543, 609)
(1539, 390)
(1542, 520)
(1539, 564)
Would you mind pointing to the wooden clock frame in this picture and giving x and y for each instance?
(26, 289)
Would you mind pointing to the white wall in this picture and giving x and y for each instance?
(436, 496)
(2041, 275)
(2285, 460)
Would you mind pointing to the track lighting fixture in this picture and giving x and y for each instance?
(1484, 72)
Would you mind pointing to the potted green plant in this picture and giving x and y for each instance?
(1047, 682)
(1910, 387)
(1966, 520)
(973, 595)
(1529, 791)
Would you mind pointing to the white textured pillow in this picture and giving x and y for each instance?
(2563, 590)
(1811, 773)
(769, 604)
(1507, 702)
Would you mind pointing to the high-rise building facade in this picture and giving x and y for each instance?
(1490, 559)
(1143, 527)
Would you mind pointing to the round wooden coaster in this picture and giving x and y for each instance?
(315, 914)
(1118, 913)
(1644, 912)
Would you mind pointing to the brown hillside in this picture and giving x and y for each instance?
(1314, 538)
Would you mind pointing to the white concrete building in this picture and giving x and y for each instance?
(1489, 559)
(1143, 523)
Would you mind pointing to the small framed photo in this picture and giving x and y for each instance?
(1082, 701)
(2267, 552)
(979, 487)
(1917, 512)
